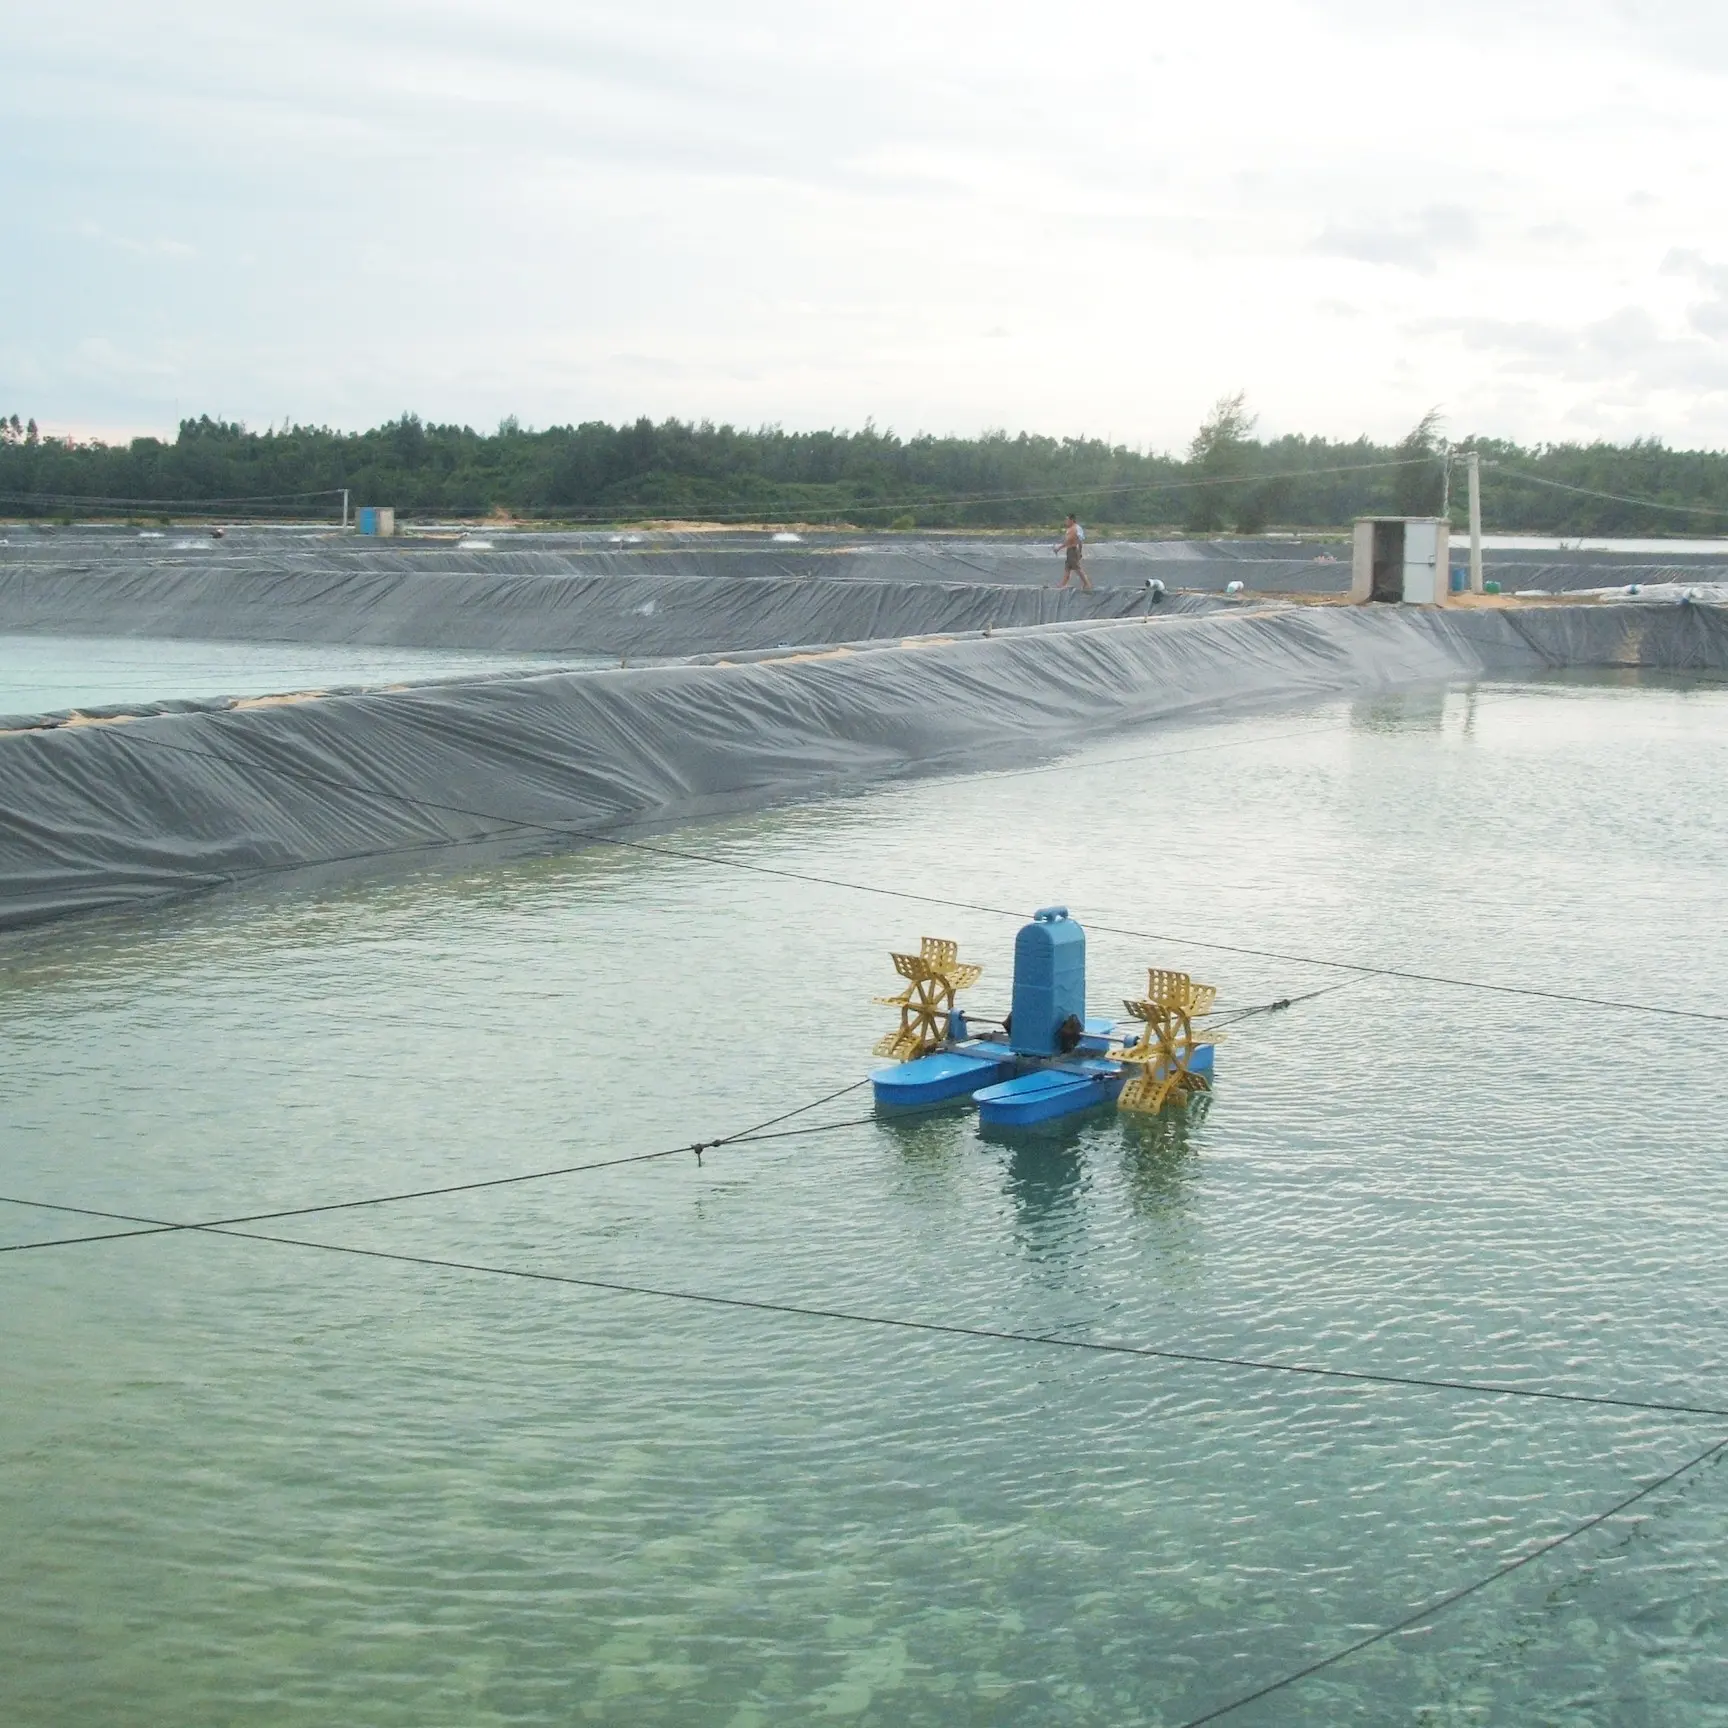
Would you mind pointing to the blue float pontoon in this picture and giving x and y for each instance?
(952, 1073)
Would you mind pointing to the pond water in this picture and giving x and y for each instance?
(1672, 547)
(45, 674)
(249, 1481)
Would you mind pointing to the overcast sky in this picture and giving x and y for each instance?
(945, 215)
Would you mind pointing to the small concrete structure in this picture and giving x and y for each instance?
(378, 519)
(1401, 558)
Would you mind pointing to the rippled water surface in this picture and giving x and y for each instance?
(43, 674)
(255, 1481)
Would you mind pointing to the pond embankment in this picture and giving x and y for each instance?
(124, 812)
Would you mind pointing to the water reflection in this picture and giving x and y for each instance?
(1160, 1157)
(1046, 1175)
(1396, 711)
(928, 1139)
(1045, 1182)
(1048, 1167)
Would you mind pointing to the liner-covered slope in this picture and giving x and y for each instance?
(103, 815)
(630, 610)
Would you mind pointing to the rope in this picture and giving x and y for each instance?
(593, 835)
(766, 1130)
(1361, 968)
(1231, 1015)
(948, 1329)
(1441, 1603)
(158, 1227)
(1056, 1341)
(747, 1136)
(761, 1133)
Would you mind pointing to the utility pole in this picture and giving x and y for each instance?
(344, 509)
(1475, 523)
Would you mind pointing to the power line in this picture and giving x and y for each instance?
(764, 1131)
(1004, 1336)
(769, 507)
(780, 506)
(1439, 1604)
(50, 500)
(1612, 497)
(1078, 491)
(759, 1133)
(1055, 1341)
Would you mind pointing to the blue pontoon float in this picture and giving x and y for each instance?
(1049, 1059)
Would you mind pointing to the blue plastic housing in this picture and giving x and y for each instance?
(1049, 980)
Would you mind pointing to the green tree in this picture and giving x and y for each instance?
(1217, 454)
(594, 472)
(1421, 483)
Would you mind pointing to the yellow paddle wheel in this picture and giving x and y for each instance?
(1168, 1057)
(934, 975)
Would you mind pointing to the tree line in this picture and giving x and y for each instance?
(1226, 480)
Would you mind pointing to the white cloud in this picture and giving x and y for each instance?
(946, 214)
(1416, 242)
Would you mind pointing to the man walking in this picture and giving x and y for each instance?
(1073, 543)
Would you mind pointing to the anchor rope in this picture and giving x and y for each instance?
(1429, 1610)
(1361, 968)
(159, 1227)
(502, 826)
(1056, 1341)
(1230, 1016)
(857, 1317)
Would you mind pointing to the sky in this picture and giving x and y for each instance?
(945, 216)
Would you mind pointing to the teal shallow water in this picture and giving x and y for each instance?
(44, 674)
(249, 1482)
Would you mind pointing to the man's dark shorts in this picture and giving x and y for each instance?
(1072, 562)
